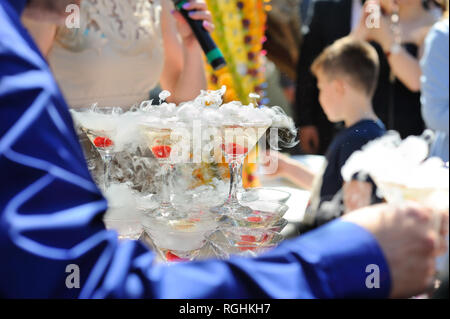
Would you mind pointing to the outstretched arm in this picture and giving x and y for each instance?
(289, 168)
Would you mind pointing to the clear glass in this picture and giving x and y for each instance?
(125, 228)
(243, 241)
(264, 214)
(180, 238)
(266, 194)
(101, 137)
(435, 198)
(160, 142)
(237, 141)
(105, 146)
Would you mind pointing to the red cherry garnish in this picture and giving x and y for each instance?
(246, 246)
(254, 219)
(234, 149)
(173, 258)
(102, 141)
(161, 151)
(248, 238)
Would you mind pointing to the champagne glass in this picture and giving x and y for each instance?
(159, 139)
(100, 124)
(236, 142)
(180, 238)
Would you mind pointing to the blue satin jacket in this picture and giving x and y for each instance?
(51, 215)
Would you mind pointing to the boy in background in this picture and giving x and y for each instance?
(347, 73)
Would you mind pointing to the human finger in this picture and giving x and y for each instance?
(195, 5)
(201, 15)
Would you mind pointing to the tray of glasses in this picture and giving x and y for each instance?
(222, 244)
(198, 233)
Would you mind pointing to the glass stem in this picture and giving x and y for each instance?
(165, 185)
(235, 181)
(107, 159)
(240, 184)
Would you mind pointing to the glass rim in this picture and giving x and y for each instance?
(242, 124)
(280, 206)
(84, 109)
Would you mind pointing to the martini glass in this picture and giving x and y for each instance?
(436, 198)
(102, 140)
(243, 241)
(426, 183)
(264, 215)
(161, 141)
(125, 228)
(263, 193)
(251, 233)
(180, 238)
(237, 141)
(100, 125)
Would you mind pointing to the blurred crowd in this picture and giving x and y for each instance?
(413, 61)
(406, 71)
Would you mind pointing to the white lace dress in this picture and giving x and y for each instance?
(115, 58)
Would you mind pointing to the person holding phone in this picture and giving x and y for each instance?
(401, 32)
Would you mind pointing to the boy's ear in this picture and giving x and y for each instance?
(340, 86)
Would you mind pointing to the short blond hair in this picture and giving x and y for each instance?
(354, 59)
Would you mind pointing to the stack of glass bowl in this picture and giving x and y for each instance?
(179, 237)
(198, 233)
(250, 234)
(247, 223)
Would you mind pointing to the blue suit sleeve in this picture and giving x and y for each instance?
(51, 217)
(329, 262)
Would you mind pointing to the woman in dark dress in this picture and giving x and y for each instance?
(400, 32)
(405, 115)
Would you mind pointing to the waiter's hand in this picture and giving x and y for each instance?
(410, 242)
(309, 139)
(198, 11)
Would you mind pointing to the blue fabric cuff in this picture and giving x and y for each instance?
(350, 259)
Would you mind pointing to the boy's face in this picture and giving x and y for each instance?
(330, 96)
